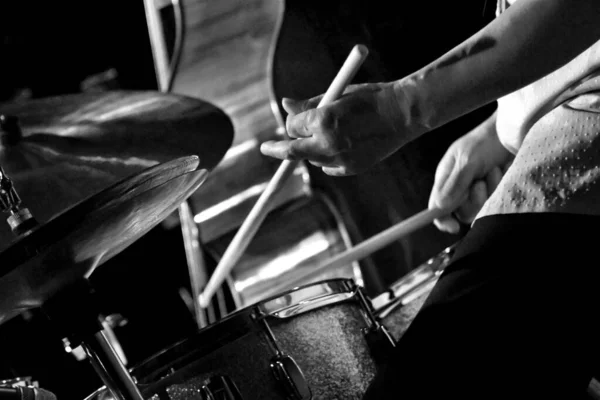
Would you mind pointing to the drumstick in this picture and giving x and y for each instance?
(260, 210)
(374, 243)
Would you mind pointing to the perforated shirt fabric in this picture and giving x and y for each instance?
(553, 128)
(557, 168)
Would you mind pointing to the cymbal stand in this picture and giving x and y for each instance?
(74, 308)
(196, 263)
(198, 270)
(75, 313)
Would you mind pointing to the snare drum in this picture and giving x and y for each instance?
(309, 342)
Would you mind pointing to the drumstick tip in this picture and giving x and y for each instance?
(362, 49)
(202, 301)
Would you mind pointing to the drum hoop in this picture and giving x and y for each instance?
(306, 298)
(100, 394)
(415, 282)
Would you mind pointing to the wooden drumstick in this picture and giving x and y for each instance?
(260, 210)
(376, 242)
(384, 238)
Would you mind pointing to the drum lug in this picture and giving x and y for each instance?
(378, 338)
(380, 343)
(288, 373)
(220, 388)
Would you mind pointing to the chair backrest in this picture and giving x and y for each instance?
(158, 40)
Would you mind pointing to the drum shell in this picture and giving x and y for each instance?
(330, 347)
(242, 354)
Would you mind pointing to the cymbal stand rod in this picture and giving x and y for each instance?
(109, 367)
(195, 260)
(165, 75)
(76, 298)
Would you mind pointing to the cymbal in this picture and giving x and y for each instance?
(69, 247)
(75, 146)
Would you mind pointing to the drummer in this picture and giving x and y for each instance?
(514, 315)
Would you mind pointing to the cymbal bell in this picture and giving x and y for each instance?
(68, 148)
(38, 265)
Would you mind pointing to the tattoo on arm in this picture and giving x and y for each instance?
(465, 52)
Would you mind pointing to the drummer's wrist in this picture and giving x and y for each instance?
(430, 98)
(486, 129)
(408, 109)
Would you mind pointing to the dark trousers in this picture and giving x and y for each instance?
(516, 315)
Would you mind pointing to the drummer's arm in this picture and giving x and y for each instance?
(526, 42)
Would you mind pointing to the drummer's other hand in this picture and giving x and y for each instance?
(474, 197)
(345, 137)
(464, 180)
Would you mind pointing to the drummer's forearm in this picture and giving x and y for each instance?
(528, 41)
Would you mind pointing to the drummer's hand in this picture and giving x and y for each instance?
(345, 137)
(467, 175)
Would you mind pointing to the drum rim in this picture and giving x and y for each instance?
(411, 285)
(224, 331)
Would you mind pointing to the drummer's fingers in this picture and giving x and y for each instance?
(478, 195)
(297, 149)
(444, 169)
(297, 126)
(279, 149)
(493, 179)
(447, 224)
(467, 211)
(337, 170)
(325, 163)
(311, 122)
(479, 192)
(293, 107)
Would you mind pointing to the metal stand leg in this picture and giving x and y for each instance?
(197, 268)
(109, 367)
(195, 260)
(77, 317)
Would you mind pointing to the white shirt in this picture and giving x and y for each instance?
(553, 128)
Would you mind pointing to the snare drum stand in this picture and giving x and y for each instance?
(73, 308)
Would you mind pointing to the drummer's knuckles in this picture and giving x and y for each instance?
(321, 120)
(311, 103)
(333, 140)
(299, 125)
(323, 126)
